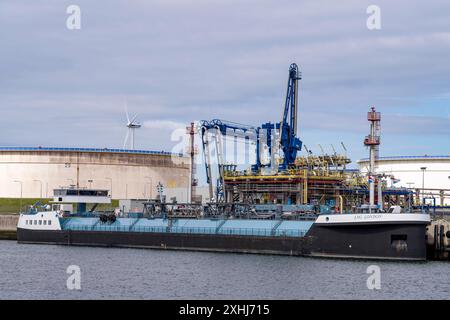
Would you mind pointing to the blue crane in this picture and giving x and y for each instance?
(288, 141)
(221, 128)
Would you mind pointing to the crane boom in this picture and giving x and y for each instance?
(289, 142)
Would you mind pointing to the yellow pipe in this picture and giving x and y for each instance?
(282, 177)
(305, 187)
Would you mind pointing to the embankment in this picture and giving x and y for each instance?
(8, 226)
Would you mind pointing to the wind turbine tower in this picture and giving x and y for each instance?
(132, 125)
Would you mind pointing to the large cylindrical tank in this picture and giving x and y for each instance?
(128, 174)
(431, 183)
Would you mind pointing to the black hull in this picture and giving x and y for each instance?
(369, 241)
(180, 241)
(376, 241)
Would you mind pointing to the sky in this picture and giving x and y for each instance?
(176, 61)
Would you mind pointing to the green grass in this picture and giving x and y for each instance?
(106, 207)
(12, 205)
(8, 235)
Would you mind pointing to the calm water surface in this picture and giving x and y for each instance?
(39, 272)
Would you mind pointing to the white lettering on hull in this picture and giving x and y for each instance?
(374, 217)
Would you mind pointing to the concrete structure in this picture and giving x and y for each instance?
(8, 222)
(35, 172)
(132, 205)
(8, 227)
(434, 179)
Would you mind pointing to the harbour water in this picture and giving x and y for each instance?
(40, 272)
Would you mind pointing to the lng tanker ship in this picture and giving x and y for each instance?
(300, 230)
(367, 234)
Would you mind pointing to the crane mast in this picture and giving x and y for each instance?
(289, 142)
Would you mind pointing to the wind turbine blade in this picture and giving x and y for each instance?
(126, 111)
(126, 139)
(134, 118)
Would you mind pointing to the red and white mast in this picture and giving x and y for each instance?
(373, 142)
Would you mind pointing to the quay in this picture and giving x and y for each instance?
(8, 227)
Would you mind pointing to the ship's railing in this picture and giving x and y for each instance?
(192, 230)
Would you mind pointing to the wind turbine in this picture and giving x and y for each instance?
(132, 125)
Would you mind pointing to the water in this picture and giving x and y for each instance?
(39, 272)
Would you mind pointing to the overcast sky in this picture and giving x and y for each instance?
(176, 61)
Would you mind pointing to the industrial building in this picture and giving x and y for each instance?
(428, 176)
(127, 174)
(282, 177)
(297, 181)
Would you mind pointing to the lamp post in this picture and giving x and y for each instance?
(41, 185)
(148, 194)
(423, 183)
(111, 183)
(151, 182)
(21, 193)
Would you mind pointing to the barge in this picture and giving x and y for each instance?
(368, 234)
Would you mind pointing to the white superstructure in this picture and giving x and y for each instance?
(45, 220)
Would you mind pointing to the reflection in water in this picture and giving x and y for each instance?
(39, 272)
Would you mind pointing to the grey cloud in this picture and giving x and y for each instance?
(178, 61)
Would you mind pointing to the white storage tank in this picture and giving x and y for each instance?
(127, 174)
(428, 175)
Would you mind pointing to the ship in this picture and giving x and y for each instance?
(288, 230)
(234, 221)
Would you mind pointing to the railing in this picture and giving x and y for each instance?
(192, 230)
(87, 150)
(372, 140)
(373, 116)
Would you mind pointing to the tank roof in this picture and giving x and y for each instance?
(93, 150)
(424, 157)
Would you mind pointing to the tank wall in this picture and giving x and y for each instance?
(128, 175)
